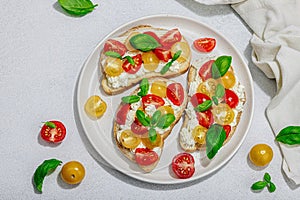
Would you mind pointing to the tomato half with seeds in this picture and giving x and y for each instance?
(162, 54)
(183, 165)
(53, 131)
(205, 118)
(231, 98)
(170, 38)
(205, 44)
(115, 46)
(205, 70)
(152, 99)
(199, 98)
(175, 93)
(132, 69)
(138, 128)
(145, 156)
(122, 113)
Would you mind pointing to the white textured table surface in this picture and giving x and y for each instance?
(42, 51)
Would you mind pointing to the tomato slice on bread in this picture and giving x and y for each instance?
(205, 70)
(183, 165)
(132, 69)
(170, 38)
(175, 93)
(53, 131)
(145, 156)
(152, 99)
(115, 46)
(122, 113)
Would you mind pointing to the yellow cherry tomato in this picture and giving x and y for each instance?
(150, 145)
(159, 88)
(199, 134)
(95, 107)
(228, 79)
(150, 61)
(261, 154)
(185, 51)
(129, 140)
(72, 172)
(113, 66)
(127, 43)
(166, 110)
(208, 87)
(223, 114)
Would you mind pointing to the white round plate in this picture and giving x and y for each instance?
(99, 132)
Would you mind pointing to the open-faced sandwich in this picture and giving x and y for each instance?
(143, 52)
(145, 119)
(215, 105)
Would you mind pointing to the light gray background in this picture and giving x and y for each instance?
(42, 50)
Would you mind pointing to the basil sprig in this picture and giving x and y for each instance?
(289, 135)
(165, 121)
(215, 138)
(221, 66)
(259, 185)
(145, 120)
(117, 55)
(144, 87)
(47, 167)
(143, 42)
(203, 106)
(50, 124)
(169, 64)
(131, 99)
(220, 90)
(77, 7)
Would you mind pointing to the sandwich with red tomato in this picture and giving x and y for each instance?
(215, 105)
(143, 52)
(146, 118)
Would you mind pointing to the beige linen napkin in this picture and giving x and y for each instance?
(276, 51)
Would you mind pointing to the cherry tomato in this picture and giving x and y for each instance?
(122, 113)
(138, 128)
(72, 172)
(127, 41)
(205, 118)
(175, 93)
(183, 165)
(152, 99)
(53, 131)
(159, 88)
(228, 79)
(199, 98)
(227, 129)
(129, 140)
(150, 145)
(153, 35)
(163, 54)
(199, 134)
(150, 61)
(185, 51)
(113, 66)
(166, 110)
(115, 46)
(145, 156)
(261, 155)
(205, 44)
(132, 69)
(205, 70)
(95, 107)
(231, 98)
(208, 87)
(223, 114)
(170, 38)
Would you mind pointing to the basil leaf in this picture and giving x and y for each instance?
(215, 73)
(50, 124)
(131, 99)
(203, 106)
(289, 135)
(130, 60)
(156, 115)
(143, 42)
(220, 91)
(221, 66)
(215, 138)
(77, 7)
(259, 185)
(165, 121)
(152, 134)
(47, 167)
(144, 87)
(215, 100)
(271, 187)
(113, 54)
(176, 55)
(267, 177)
(166, 68)
(140, 115)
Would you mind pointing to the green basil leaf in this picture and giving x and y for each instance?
(156, 115)
(215, 100)
(267, 177)
(220, 91)
(143, 42)
(47, 167)
(152, 134)
(165, 121)
(215, 138)
(221, 66)
(271, 187)
(113, 54)
(144, 87)
(130, 60)
(203, 106)
(259, 185)
(140, 115)
(176, 55)
(166, 68)
(289, 135)
(77, 7)
(50, 124)
(131, 99)
(215, 73)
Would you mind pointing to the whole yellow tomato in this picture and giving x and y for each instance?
(261, 155)
(72, 172)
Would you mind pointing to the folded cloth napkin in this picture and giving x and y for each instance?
(276, 51)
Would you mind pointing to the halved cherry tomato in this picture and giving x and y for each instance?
(159, 88)
(150, 61)
(170, 37)
(223, 114)
(166, 109)
(228, 79)
(122, 113)
(199, 134)
(231, 98)
(127, 41)
(95, 107)
(53, 131)
(208, 87)
(227, 129)
(185, 51)
(129, 140)
(175, 93)
(199, 98)
(113, 66)
(205, 44)
(115, 46)
(205, 70)
(145, 156)
(205, 118)
(150, 145)
(162, 54)
(152, 99)
(138, 128)
(132, 69)
(183, 165)
(151, 33)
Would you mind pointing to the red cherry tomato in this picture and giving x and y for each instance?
(162, 54)
(205, 70)
(231, 98)
(153, 35)
(53, 131)
(132, 69)
(205, 118)
(183, 165)
(152, 99)
(122, 113)
(199, 98)
(138, 128)
(227, 129)
(145, 156)
(175, 93)
(205, 44)
(115, 46)
(170, 38)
